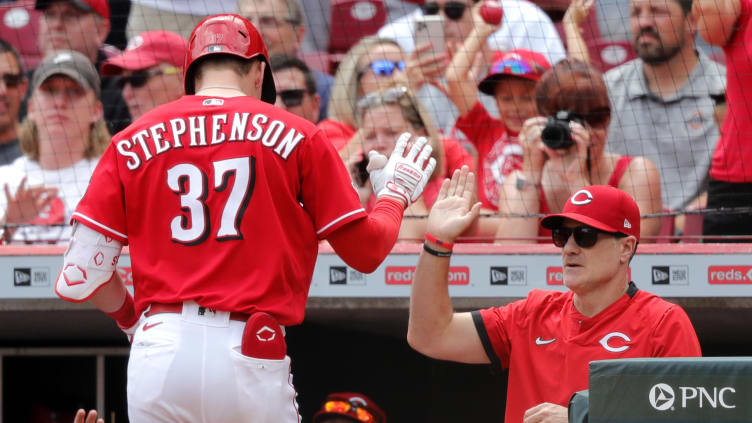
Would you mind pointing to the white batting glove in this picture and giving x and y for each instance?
(402, 177)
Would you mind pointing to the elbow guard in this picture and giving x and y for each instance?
(88, 264)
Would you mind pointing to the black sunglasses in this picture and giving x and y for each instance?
(12, 80)
(291, 98)
(584, 236)
(140, 78)
(453, 9)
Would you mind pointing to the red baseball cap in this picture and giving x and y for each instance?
(357, 407)
(602, 207)
(100, 7)
(518, 63)
(148, 49)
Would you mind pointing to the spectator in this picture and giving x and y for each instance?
(547, 339)
(82, 26)
(282, 25)
(175, 16)
(150, 70)
(371, 65)
(382, 116)
(296, 87)
(551, 173)
(511, 81)
(728, 23)
(14, 85)
(524, 26)
(349, 407)
(61, 138)
(662, 101)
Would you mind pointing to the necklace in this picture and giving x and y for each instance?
(221, 88)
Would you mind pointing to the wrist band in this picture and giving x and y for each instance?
(438, 242)
(433, 252)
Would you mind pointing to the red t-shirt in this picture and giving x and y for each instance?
(336, 132)
(499, 152)
(223, 201)
(455, 156)
(547, 344)
(732, 160)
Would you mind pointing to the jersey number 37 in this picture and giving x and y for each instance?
(188, 181)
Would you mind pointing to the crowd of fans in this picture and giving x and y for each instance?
(534, 120)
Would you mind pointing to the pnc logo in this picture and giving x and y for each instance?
(662, 397)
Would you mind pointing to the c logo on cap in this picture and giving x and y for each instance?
(581, 202)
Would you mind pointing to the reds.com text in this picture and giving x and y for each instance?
(729, 275)
(403, 275)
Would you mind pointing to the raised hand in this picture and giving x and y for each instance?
(402, 177)
(90, 418)
(27, 202)
(454, 210)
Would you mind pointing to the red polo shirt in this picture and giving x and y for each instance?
(547, 344)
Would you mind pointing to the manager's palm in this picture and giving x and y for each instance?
(453, 212)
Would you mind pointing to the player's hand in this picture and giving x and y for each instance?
(129, 331)
(546, 413)
(27, 202)
(90, 418)
(402, 177)
(454, 210)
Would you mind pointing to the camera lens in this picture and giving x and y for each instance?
(556, 134)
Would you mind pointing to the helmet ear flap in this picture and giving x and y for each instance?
(227, 34)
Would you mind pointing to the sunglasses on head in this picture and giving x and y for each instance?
(584, 236)
(351, 409)
(140, 78)
(453, 9)
(390, 96)
(382, 68)
(12, 80)
(291, 98)
(513, 66)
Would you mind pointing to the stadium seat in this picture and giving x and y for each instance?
(352, 20)
(605, 55)
(19, 24)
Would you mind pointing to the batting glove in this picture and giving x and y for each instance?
(402, 177)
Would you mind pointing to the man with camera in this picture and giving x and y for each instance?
(663, 100)
(547, 339)
(563, 151)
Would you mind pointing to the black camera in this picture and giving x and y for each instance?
(556, 134)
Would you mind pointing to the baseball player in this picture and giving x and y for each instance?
(547, 340)
(223, 199)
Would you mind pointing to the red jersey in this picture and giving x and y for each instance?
(223, 201)
(499, 152)
(547, 344)
(732, 159)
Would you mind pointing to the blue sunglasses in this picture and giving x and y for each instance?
(382, 67)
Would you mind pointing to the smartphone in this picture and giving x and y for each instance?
(430, 28)
(362, 167)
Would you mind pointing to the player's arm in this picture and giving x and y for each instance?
(716, 19)
(397, 182)
(434, 329)
(461, 86)
(88, 274)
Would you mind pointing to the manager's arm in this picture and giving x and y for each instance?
(434, 328)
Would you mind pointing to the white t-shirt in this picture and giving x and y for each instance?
(524, 25)
(71, 183)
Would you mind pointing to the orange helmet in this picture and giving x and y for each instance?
(227, 34)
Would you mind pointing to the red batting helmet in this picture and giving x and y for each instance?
(227, 34)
